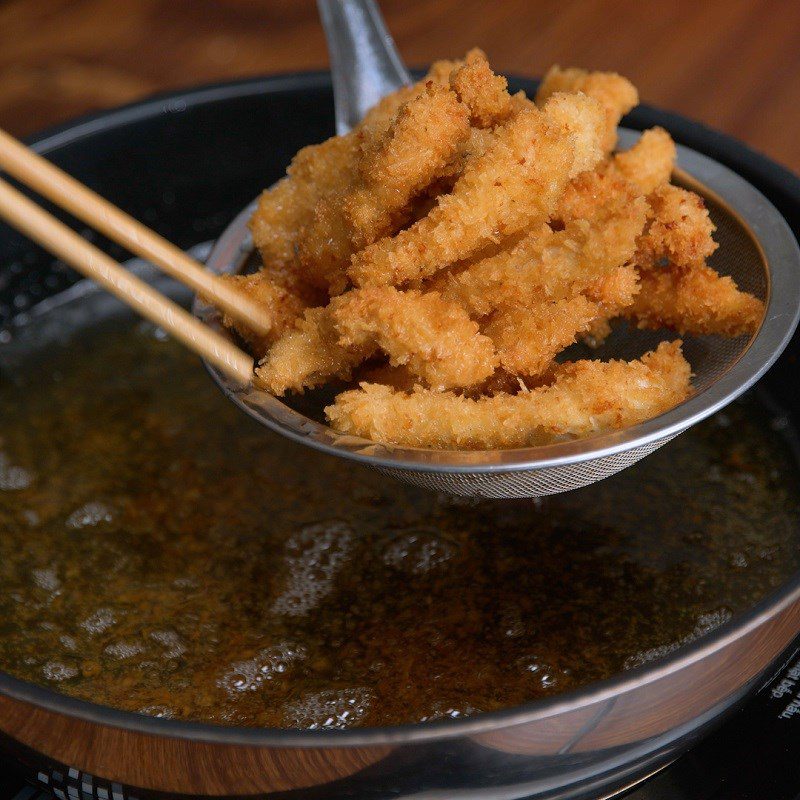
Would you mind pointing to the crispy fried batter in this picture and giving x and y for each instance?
(649, 163)
(695, 300)
(284, 307)
(529, 337)
(616, 94)
(678, 289)
(589, 192)
(426, 137)
(441, 70)
(586, 397)
(420, 145)
(614, 292)
(598, 331)
(485, 234)
(679, 229)
(435, 339)
(553, 265)
(307, 355)
(287, 208)
(382, 114)
(514, 183)
(616, 289)
(640, 170)
(484, 93)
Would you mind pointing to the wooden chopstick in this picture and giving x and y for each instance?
(62, 241)
(51, 182)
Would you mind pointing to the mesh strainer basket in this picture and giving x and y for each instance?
(756, 248)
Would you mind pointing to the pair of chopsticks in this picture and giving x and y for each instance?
(60, 240)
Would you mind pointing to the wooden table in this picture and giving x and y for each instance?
(734, 64)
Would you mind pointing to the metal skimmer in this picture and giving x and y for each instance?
(756, 248)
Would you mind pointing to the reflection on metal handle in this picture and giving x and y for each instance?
(365, 63)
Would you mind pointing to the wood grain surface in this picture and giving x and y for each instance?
(733, 64)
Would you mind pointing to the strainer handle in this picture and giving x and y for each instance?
(365, 64)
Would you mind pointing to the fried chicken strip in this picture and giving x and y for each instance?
(528, 338)
(283, 305)
(307, 355)
(552, 265)
(613, 293)
(287, 209)
(585, 398)
(678, 289)
(433, 338)
(695, 300)
(679, 229)
(481, 90)
(422, 142)
(647, 166)
(514, 184)
(677, 239)
(649, 163)
(616, 94)
(427, 135)
(615, 290)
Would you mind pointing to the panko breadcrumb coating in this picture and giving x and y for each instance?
(649, 163)
(616, 94)
(640, 170)
(679, 230)
(590, 192)
(287, 208)
(613, 293)
(307, 355)
(283, 305)
(514, 183)
(695, 300)
(484, 93)
(585, 398)
(433, 338)
(549, 264)
(447, 250)
(615, 290)
(529, 337)
(398, 161)
(426, 136)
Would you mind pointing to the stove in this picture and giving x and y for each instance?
(754, 755)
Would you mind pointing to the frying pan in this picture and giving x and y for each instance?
(185, 163)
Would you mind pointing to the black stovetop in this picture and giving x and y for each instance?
(754, 755)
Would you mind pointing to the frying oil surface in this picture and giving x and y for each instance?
(162, 553)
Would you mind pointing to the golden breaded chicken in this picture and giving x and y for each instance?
(585, 398)
(513, 184)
